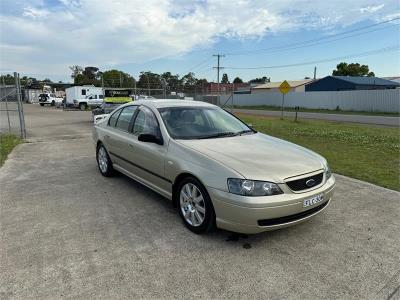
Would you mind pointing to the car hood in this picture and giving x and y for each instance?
(259, 156)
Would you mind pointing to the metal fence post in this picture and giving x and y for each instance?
(19, 103)
(8, 113)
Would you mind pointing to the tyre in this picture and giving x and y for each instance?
(82, 106)
(41, 104)
(52, 103)
(104, 162)
(195, 206)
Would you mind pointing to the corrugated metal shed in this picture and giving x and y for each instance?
(349, 83)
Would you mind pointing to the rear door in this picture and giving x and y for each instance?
(119, 137)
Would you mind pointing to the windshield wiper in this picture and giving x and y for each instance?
(245, 132)
(217, 135)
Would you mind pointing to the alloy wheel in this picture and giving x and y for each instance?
(102, 160)
(192, 204)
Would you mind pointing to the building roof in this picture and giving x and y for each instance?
(273, 85)
(360, 80)
(393, 78)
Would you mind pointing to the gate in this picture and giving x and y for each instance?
(11, 109)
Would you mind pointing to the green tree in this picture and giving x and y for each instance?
(225, 78)
(149, 80)
(116, 78)
(263, 79)
(188, 82)
(237, 80)
(353, 69)
(172, 81)
(76, 70)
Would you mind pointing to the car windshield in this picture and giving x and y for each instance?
(201, 123)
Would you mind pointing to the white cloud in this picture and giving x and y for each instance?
(45, 39)
(371, 8)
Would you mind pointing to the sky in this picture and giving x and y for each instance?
(42, 38)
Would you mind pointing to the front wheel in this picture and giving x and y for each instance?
(41, 104)
(195, 207)
(82, 106)
(104, 162)
(52, 103)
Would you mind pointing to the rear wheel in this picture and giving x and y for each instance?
(41, 104)
(53, 103)
(195, 207)
(82, 106)
(104, 162)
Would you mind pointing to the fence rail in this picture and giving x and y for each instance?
(362, 100)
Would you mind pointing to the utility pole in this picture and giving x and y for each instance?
(148, 84)
(218, 68)
(315, 72)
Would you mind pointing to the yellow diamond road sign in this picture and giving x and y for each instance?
(284, 87)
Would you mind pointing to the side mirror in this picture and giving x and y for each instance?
(150, 138)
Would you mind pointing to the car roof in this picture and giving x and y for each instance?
(160, 103)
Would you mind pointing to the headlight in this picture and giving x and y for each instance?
(328, 172)
(252, 187)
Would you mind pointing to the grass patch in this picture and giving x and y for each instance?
(7, 143)
(326, 111)
(365, 152)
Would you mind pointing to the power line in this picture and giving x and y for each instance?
(202, 63)
(325, 42)
(361, 54)
(304, 43)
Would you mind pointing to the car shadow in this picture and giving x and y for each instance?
(216, 237)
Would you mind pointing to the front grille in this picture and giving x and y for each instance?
(301, 184)
(292, 218)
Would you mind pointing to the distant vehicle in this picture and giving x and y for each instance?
(83, 92)
(50, 99)
(113, 99)
(144, 97)
(89, 101)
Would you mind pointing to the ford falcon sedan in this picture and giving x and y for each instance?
(216, 170)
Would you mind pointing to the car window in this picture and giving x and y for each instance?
(125, 118)
(146, 122)
(113, 119)
(101, 97)
(201, 122)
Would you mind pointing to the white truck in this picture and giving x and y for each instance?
(84, 96)
(50, 99)
(88, 101)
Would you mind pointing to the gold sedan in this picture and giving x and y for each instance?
(216, 170)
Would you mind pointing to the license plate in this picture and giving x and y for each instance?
(313, 200)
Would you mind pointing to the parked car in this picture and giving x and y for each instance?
(50, 99)
(217, 170)
(88, 101)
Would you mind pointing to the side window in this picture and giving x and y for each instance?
(125, 118)
(94, 96)
(113, 119)
(101, 97)
(146, 122)
(83, 92)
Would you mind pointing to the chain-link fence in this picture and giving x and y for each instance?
(11, 109)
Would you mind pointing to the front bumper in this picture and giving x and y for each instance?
(242, 214)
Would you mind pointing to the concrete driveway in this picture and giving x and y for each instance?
(68, 232)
